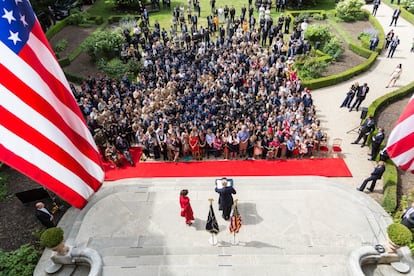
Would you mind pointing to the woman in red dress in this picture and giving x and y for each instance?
(186, 210)
(194, 145)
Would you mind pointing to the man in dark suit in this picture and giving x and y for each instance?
(43, 215)
(375, 175)
(376, 143)
(365, 129)
(226, 198)
(360, 96)
(395, 16)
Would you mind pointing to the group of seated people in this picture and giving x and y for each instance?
(230, 100)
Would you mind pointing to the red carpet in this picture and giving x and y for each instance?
(330, 167)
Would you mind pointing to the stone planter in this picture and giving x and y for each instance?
(61, 249)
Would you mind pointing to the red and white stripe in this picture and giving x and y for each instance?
(42, 132)
(400, 145)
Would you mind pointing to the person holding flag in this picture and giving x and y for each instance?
(43, 133)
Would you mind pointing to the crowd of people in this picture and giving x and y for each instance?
(221, 95)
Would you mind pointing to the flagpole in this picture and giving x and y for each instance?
(213, 240)
(234, 232)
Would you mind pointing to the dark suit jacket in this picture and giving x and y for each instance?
(226, 198)
(359, 93)
(409, 221)
(44, 218)
(378, 171)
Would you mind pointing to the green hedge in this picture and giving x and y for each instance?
(64, 61)
(390, 179)
(343, 76)
(56, 28)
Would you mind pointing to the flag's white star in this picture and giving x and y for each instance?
(8, 15)
(18, 1)
(23, 19)
(14, 37)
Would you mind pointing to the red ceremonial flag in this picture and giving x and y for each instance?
(400, 145)
(43, 133)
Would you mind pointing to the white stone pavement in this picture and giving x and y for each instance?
(339, 121)
(291, 225)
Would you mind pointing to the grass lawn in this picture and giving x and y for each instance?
(164, 16)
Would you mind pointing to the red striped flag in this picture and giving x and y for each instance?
(43, 133)
(235, 220)
(400, 145)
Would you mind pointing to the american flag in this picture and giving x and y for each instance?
(235, 220)
(400, 145)
(42, 132)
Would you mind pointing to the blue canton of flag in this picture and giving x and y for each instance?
(16, 22)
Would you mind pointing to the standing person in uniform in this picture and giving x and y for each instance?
(186, 210)
(226, 198)
(43, 215)
(375, 175)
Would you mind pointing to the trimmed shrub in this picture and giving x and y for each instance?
(60, 46)
(399, 234)
(312, 68)
(350, 10)
(333, 48)
(20, 262)
(102, 44)
(318, 33)
(51, 237)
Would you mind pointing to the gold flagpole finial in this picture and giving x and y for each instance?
(211, 200)
(235, 201)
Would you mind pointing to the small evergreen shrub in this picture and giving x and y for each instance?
(60, 46)
(51, 237)
(312, 68)
(350, 10)
(399, 234)
(76, 18)
(102, 44)
(318, 33)
(333, 48)
(318, 16)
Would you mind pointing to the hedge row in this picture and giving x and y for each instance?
(390, 179)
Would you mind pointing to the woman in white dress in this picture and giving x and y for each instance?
(395, 75)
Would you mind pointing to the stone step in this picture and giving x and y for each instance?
(230, 268)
